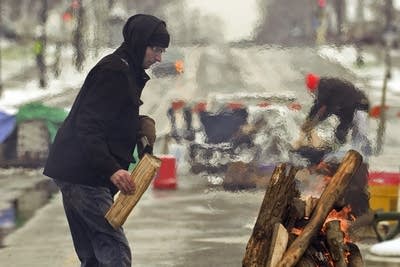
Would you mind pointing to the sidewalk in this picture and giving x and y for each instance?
(23, 191)
(36, 245)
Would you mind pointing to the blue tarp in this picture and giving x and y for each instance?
(7, 125)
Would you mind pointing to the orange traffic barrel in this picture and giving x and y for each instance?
(166, 176)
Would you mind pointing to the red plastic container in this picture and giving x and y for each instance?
(166, 176)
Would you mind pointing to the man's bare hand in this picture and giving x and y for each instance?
(123, 181)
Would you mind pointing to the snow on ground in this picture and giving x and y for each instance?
(373, 71)
(24, 93)
(387, 248)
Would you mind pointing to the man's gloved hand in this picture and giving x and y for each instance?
(307, 126)
(147, 127)
(303, 140)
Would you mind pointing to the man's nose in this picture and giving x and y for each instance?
(158, 57)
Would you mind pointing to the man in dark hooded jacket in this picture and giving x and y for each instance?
(93, 148)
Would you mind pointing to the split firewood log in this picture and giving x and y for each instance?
(142, 176)
(274, 209)
(279, 243)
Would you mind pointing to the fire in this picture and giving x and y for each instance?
(296, 231)
(345, 217)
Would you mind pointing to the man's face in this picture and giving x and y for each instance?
(152, 55)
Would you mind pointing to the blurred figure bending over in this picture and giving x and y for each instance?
(334, 96)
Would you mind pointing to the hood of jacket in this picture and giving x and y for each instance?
(137, 32)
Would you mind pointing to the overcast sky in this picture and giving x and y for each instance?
(239, 16)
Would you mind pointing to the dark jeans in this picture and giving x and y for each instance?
(96, 242)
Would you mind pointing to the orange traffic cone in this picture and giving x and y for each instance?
(166, 176)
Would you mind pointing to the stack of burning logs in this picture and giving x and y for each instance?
(291, 231)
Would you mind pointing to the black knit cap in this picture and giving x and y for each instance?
(160, 36)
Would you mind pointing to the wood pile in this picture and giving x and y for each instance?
(293, 230)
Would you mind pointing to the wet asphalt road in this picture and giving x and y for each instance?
(197, 224)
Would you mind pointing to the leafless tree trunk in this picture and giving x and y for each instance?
(41, 45)
(100, 21)
(78, 37)
(340, 11)
(382, 119)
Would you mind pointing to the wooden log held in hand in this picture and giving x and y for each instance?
(142, 176)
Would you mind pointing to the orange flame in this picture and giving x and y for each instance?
(296, 231)
(179, 66)
(345, 217)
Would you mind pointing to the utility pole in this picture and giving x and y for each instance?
(360, 32)
(382, 118)
(388, 36)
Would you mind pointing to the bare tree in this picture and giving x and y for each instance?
(339, 6)
(78, 34)
(100, 12)
(40, 45)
